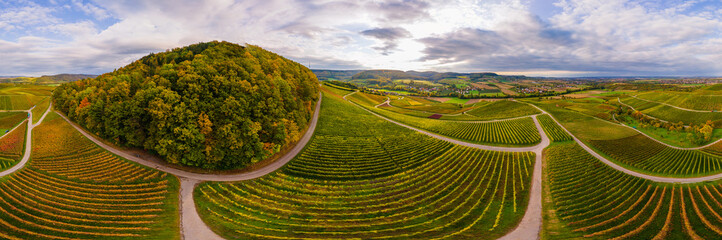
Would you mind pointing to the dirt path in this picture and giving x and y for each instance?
(28, 140)
(631, 172)
(192, 226)
(630, 106)
(212, 177)
(530, 225)
(680, 108)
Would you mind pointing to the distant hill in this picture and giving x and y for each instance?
(428, 75)
(326, 75)
(46, 79)
(388, 74)
(214, 105)
(62, 78)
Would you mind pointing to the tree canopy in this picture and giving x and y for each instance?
(214, 105)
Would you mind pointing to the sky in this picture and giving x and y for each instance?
(564, 38)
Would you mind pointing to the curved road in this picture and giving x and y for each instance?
(530, 225)
(28, 140)
(212, 177)
(458, 142)
(192, 227)
(631, 172)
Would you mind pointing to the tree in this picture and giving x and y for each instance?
(214, 105)
(707, 132)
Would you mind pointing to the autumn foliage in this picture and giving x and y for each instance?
(214, 105)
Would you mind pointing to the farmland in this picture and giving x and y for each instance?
(223, 141)
(510, 132)
(362, 177)
(696, 101)
(671, 114)
(553, 130)
(503, 109)
(646, 155)
(11, 146)
(9, 120)
(74, 190)
(614, 205)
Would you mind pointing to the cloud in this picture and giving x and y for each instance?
(400, 11)
(91, 9)
(24, 17)
(389, 36)
(608, 38)
(586, 36)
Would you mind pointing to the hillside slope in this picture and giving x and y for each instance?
(214, 105)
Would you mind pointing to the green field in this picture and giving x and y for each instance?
(674, 138)
(584, 198)
(22, 97)
(583, 126)
(502, 110)
(671, 114)
(455, 100)
(685, 100)
(362, 177)
(395, 91)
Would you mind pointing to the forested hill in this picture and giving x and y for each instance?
(214, 105)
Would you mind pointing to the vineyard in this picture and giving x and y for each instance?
(75, 190)
(40, 109)
(9, 120)
(352, 182)
(503, 109)
(18, 102)
(521, 131)
(671, 114)
(369, 100)
(429, 106)
(12, 144)
(715, 149)
(649, 156)
(587, 199)
(338, 90)
(510, 132)
(552, 129)
(685, 100)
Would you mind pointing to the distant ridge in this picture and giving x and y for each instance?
(65, 77)
(46, 79)
(345, 75)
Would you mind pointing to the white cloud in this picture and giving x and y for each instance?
(23, 17)
(587, 36)
(91, 9)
